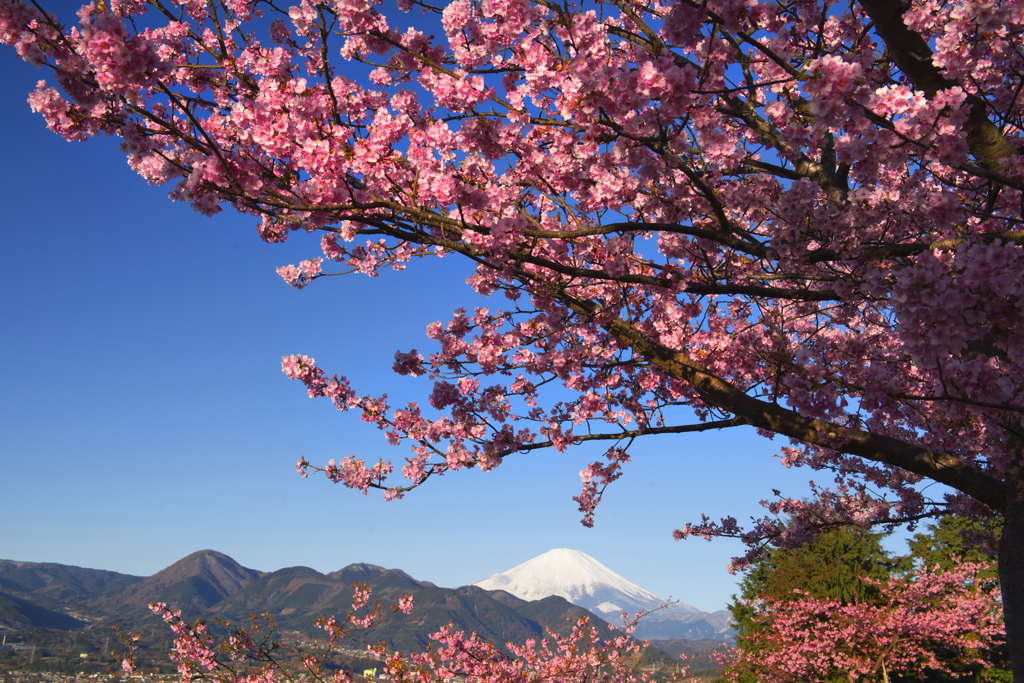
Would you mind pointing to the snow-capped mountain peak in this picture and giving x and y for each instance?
(581, 580)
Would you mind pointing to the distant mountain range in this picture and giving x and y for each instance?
(585, 582)
(211, 584)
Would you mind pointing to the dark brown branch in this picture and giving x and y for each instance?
(719, 393)
(913, 56)
(723, 238)
(632, 434)
(689, 287)
(829, 181)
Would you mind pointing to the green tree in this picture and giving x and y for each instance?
(834, 565)
(842, 564)
(972, 539)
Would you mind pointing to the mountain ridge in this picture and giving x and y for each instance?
(210, 584)
(51, 585)
(197, 581)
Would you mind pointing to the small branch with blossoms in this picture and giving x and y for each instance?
(130, 641)
(251, 655)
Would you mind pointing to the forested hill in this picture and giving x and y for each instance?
(210, 584)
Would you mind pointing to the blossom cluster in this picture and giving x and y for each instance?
(251, 655)
(806, 638)
(700, 216)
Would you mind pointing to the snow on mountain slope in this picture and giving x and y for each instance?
(581, 580)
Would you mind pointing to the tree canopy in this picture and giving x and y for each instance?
(844, 564)
(932, 620)
(796, 215)
(845, 576)
(957, 537)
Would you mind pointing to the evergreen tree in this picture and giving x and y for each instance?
(836, 564)
(972, 539)
(833, 565)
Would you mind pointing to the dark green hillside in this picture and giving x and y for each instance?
(194, 594)
(193, 583)
(504, 597)
(395, 578)
(309, 593)
(297, 596)
(271, 587)
(21, 579)
(18, 613)
(298, 590)
(467, 610)
(560, 615)
(56, 585)
(215, 587)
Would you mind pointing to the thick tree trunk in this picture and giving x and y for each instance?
(1011, 569)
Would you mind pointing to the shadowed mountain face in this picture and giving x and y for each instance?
(210, 584)
(357, 572)
(296, 596)
(194, 583)
(18, 613)
(680, 646)
(57, 586)
(302, 591)
(293, 590)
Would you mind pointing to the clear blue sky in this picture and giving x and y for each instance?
(144, 415)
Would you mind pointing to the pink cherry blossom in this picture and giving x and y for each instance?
(802, 218)
(805, 638)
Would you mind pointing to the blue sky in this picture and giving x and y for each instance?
(144, 414)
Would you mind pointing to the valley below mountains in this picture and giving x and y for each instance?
(210, 584)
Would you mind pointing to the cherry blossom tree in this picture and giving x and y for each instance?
(858, 605)
(800, 216)
(820, 639)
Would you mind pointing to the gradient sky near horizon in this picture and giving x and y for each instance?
(144, 414)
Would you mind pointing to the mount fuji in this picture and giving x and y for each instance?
(587, 583)
(581, 580)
